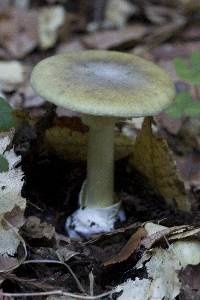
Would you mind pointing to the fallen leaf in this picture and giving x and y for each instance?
(10, 242)
(72, 45)
(11, 205)
(162, 269)
(11, 181)
(172, 125)
(71, 143)
(26, 97)
(11, 75)
(18, 31)
(187, 252)
(169, 51)
(133, 289)
(36, 229)
(190, 131)
(117, 12)
(114, 39)
(159, 235)
(51, 19)
(156, 233)
(152, 158)
(162, 282)
(189, 166)
(130, 247)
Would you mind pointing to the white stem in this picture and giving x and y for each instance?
(100, 162)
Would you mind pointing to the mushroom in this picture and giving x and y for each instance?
(104, 86)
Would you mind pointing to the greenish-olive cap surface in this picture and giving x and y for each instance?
(104, 83)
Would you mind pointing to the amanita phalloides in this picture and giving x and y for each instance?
(104, 86)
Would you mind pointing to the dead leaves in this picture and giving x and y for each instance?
(51, 19)
(35, 229)
(114, 39)
(18, 31)
(152, 158)
(162, 265)
(130, 247)
(70, 142)
(12, 207)
(22, 31)
(12, 75)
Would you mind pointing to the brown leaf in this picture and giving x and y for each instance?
(130, 247)
(68, 139)
(36, 229)
(152, 158)
(172, 125)
(189, 166)
(18, 31)
(113, 39)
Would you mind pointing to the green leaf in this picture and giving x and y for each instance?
(189, 72)
(4, 165)
(184, 105)
(6, 118)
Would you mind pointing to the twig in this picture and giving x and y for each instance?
(56, 292)
(49, 261)
(91, 279)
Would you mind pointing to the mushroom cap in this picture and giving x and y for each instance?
(103, 83)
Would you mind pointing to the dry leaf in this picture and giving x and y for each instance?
(136, 289)
(162, 282)
(10, 240)
(130, 247)
(36, 229)
(152, 158)
(18, 31)
(162, 267)
(189, 166)
(71, 143)
(11, 75)
(26, 97)
(117, 12)
(156, 232)
(10, 182)
(51, 19)
(12, 206)
(159, 234)
(113, 39)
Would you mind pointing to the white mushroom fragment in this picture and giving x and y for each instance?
(103, 86)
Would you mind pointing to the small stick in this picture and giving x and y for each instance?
(56, 292)
(91, 279)
(48, 261)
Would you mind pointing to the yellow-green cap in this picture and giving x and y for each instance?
(103, 83)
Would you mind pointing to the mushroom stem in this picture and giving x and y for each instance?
(100, 163)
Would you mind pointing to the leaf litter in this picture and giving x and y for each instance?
(52, 181)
